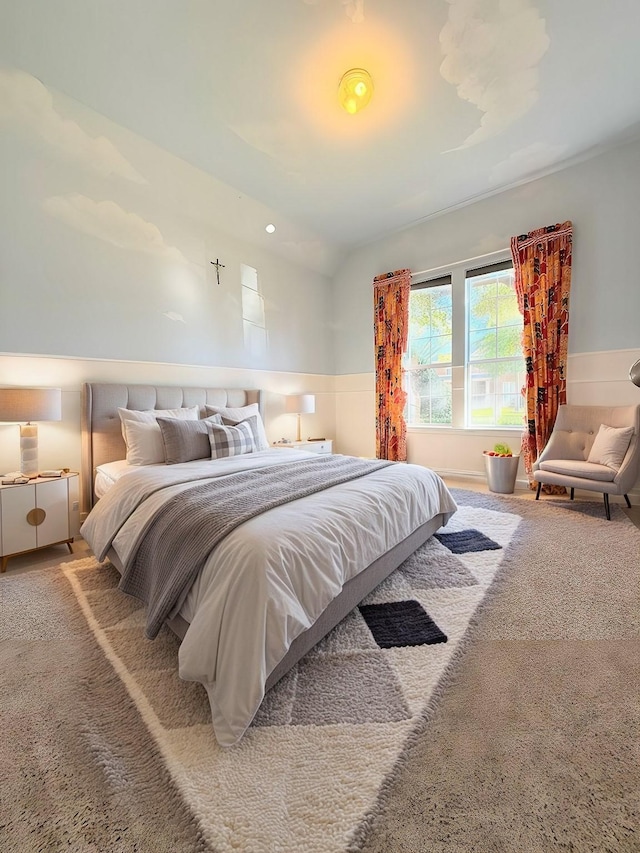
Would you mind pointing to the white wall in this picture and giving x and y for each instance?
(106, 243)
(600, 196)
(59, 443)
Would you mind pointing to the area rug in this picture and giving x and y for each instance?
(309, 770)
(375, 742)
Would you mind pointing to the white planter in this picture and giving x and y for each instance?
(501, 473)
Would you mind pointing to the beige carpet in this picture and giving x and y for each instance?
(531, 745)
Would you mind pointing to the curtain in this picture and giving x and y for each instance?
(542, 264)
(391, 325)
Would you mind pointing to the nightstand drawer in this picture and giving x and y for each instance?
(318, 446)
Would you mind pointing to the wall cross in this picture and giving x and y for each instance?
(218, 267)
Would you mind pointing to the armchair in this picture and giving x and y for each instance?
(564, 460)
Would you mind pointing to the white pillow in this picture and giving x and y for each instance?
(186, 413)
(144, 442)
(241, 413)
(610, 446)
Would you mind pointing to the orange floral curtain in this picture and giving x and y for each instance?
(391, 325)
(542, 264)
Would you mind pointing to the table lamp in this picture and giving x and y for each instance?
(30, 404)
(300, 404)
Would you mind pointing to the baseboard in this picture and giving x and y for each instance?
(460, 475)
(523, 483)
(456, 474)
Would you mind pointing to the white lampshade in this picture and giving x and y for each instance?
(300, 404)
(27, 405)
(30, 404)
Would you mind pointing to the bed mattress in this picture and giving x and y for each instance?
(272, 577)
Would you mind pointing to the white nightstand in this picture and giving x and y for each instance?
(36, 514)
(320, 447)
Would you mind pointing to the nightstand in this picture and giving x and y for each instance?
(37, 514)
(320, 447)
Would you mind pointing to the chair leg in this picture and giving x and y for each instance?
(626, 497)
(572, 490)
(606, 506)
(538, 491)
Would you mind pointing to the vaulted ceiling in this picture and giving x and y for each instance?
(471, 96)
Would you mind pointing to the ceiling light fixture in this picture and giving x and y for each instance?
(355, 90)
(270, 228)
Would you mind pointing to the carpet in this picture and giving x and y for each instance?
(368, 743)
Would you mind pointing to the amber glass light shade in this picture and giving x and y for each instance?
(355, 90)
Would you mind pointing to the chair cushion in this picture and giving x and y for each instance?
(578, 468)
(610, 446)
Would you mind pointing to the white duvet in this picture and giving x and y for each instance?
(270, 579)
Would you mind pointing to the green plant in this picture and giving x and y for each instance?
(502, 448)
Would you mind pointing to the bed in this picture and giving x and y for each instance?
(278, 582)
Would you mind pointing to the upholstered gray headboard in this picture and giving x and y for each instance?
(101, 433)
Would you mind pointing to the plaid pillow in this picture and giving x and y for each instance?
(231, 440)
(252, 422)
(234, 415)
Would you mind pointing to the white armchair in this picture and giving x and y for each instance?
(564, 460)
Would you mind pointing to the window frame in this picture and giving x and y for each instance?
(458, 273)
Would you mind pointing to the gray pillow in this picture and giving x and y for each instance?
(185, 441)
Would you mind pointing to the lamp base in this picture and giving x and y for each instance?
(29, 449)
(298, 431)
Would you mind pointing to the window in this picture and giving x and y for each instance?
(495, 366)
(464, 364)
(429, 352)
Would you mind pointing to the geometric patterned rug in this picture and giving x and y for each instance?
(308, 773)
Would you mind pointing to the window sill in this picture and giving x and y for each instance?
(447, 430)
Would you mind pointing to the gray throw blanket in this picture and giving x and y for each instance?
(188, 526)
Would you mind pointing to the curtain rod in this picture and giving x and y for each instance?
(457, 263)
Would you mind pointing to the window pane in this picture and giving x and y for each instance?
(495, 366)
(430, 344)
(482, 304)
(482, 345)
(430, 312)
(495, 398)
(508, 313)
(441, 410)
(482, 411)
(429, 395)
(441, 349)
(509, 341)
(419, 350)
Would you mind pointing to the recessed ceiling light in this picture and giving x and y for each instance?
(355, 90)
(270, 228)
